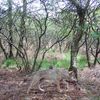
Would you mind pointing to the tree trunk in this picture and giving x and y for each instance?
(22, 27)
(10, 21)
(97, 51)
(73, 62)
(87, 51)
(75, 42)
(21, 38)
(3, 49)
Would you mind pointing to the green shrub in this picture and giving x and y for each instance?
(65, 62)
(82, 62)
(45, 64)
(62, 63)
(10, 63)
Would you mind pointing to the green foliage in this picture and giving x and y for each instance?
(82, 62)
(52, 51)
(65, 62)
(10, 63)
(45, 64)
(95, 34)
(62, 63)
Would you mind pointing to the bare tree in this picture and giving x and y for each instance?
(22, 37)
(43, 32)
(10, 23)
(22, 26)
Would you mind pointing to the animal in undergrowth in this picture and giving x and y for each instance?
(50, 76)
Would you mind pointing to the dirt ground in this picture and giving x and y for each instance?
(14, 85)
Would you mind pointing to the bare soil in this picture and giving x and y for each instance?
(14, 85)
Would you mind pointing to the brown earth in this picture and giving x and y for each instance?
(14, 85)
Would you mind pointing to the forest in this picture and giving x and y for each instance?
(49, 49)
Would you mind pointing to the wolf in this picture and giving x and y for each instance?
(53, 75)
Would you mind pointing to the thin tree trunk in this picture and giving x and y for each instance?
(97, 52)
(43, 32)
(22, 27)
(81, 12)
(3, 49)
(21, 38)
(87, 51)
(75, 42)
(10, 28)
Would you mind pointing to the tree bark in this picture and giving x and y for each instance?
(87, 51)
(10, 22)
(76, 38)
(22, 26)
(3, 49)
(97, 51)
